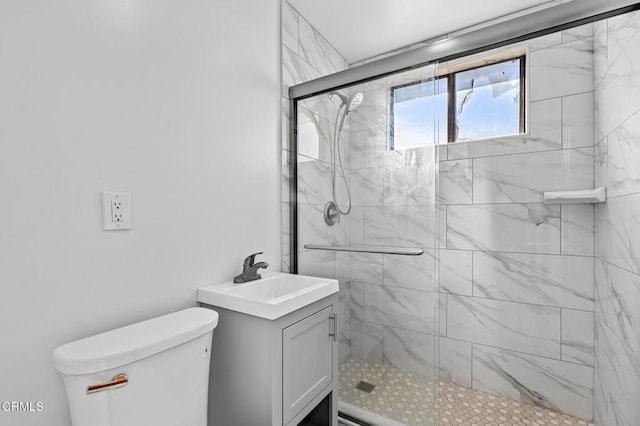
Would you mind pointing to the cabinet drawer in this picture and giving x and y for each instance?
(307, 360)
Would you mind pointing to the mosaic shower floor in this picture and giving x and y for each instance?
(410, 399)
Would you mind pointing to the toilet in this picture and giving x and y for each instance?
(155, 372)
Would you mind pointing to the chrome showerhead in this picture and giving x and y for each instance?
(355, 102)
(351, 103)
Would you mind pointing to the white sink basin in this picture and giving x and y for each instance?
(271, 297)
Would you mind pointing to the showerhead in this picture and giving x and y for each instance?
(351, 103)
(355, 102)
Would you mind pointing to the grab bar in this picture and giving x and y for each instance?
(119, 381)
(403, 251)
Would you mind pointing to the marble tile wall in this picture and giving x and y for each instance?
(517, 275)
(617, 222)
(307, 55)
(512, 310)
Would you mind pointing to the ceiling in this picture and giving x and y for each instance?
(361, 29)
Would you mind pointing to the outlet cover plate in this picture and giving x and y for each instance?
(116, 211)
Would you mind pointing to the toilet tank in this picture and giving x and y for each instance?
(154, 372)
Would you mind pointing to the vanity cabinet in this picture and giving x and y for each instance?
(275, 372)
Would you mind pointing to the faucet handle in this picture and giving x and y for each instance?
(250, 260)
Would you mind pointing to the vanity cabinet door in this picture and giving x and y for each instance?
(307, 360)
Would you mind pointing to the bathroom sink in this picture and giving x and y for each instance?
(271, 297)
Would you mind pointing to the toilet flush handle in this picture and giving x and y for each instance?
(119, 381)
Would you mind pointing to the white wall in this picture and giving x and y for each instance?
(177, 102)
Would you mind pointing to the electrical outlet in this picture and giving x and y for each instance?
(116, 210)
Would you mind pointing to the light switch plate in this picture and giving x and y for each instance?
(116, 211)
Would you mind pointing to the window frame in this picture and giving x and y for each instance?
(452, 95)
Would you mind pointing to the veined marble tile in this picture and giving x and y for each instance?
(313, 230)
(522, 178)
(545, 41)
(616, 399)
(521, 327)
(317, 263)
(366, 268)
(286, 117)
(441, 319)
(402, 226)
(295, 71)
(617, 380)
(356, 150)
(600, 159)
(544, 134)
(600, 48)
(602, 281)
(454, 363)
(557, 385)
(577, 120)
(443, 153)
(354, 223)
(314, 181)
(285, 263)
(317, 51)
(372, 112)
(617, 97)
(400, 307)
(562, 70)
(410, 185)
(344, 298)
(613, 354)
(576, 33)
(343, 267)
(314, 136)
(441, 227)
(285, 223)
(356, 303)
(409, 350)
(620, 29)
(366, 340)
(345, 150)
(344, 344)
(289, 26)
(375, 146)
(623, 158)
(551, 280)
(420, 158)
(285, 177)
(528, 228)
(416, 272)
(618, 232)
(320, 105)
(455, 180)
(367, 187)
(456, 272)
(621, 314)
(577, 336)
(577, 229)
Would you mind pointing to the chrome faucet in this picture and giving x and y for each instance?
(250, 269)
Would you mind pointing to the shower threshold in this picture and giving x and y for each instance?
(402, 398)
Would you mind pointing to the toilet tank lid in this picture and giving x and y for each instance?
(134, 342)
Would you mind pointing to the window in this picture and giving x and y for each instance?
(471, 103)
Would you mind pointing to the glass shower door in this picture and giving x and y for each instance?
(367, 214)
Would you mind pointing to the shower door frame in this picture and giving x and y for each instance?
(521, 28)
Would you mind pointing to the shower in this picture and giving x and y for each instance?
(332, 209)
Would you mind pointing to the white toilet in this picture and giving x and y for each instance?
(154, 372)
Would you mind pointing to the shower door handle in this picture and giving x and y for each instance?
(334, 332)
(119, 381)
